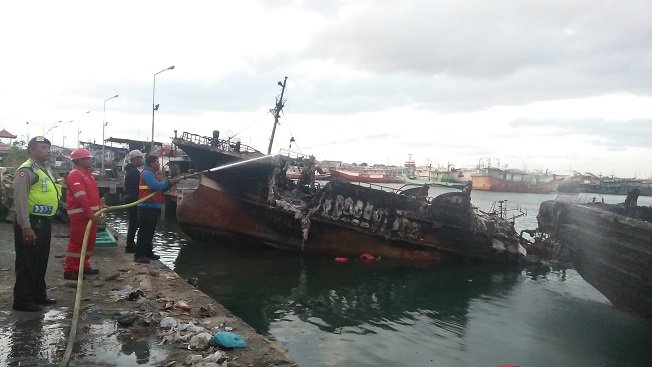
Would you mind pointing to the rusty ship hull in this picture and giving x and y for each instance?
(611, 248)
(343, 219)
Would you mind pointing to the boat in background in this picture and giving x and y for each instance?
(593, 184)
(610, 246)
(432, 177)
(512, 180)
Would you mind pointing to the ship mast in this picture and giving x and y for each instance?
(276, 111)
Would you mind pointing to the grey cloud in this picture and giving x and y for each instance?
(449, 56)
(613, 135)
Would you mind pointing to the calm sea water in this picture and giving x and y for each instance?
(389, 313)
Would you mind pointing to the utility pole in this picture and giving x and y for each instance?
(276, 111)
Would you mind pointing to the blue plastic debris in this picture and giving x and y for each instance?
(226, 339)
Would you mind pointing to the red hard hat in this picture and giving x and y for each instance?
(80, 153)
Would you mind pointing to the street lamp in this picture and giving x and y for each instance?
(155, 107)
(51, 130)
(63, 134)
(78, 129)
(103, 126)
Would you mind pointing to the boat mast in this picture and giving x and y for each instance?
(276, 111)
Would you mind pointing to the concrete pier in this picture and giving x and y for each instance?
(39, 338)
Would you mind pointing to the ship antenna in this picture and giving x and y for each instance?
(276, 111)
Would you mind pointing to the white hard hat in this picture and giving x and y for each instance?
(135, 153)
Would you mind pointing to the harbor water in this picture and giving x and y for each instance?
(390, 313)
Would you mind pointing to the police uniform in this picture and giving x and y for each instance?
(36, 201)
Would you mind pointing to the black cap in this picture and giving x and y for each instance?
(38, 139)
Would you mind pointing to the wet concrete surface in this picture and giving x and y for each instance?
(39, 338)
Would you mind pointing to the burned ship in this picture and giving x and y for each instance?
(258, 201)
(610, 247)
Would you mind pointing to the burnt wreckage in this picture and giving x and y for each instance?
(610, 247)
(257, 200)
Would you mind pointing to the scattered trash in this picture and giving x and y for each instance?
(207, 311)
(217, 357)
(226, 339)
(4, 269)
(228, 328)
(127, 320)
(199, 341)
(169, 322)
(194, 358)
(134, 295)
(182, 305)
(120, 294)
(341, 259)
(367, 257)
(190, 327)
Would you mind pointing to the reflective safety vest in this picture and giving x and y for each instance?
(144, 190)
(43, 196)
(82, 194)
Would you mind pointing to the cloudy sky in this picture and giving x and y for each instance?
(559, 85)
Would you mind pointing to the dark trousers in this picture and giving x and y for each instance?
(32, 261)
(133, 226)
(147, 219)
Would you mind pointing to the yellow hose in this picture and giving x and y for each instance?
(80, 277)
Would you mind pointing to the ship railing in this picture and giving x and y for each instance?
(580, 198)
(377, 186)
(227, 145)
(291, 154)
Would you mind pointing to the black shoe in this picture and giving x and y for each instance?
(130, 249)
(71, 275)
(153, 256)
(143, 260)
(28, 307)
(46, 301)
(91, 271)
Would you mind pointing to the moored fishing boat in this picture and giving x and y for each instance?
(496, 179)
(611, 248)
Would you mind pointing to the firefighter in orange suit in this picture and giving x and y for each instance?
(82, 203)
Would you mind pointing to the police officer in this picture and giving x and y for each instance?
(36, 200)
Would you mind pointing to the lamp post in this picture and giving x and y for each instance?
(51, 130)
(63, 134)
(27, 126)
(78, 128)
(155, 107)
(103, 126)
